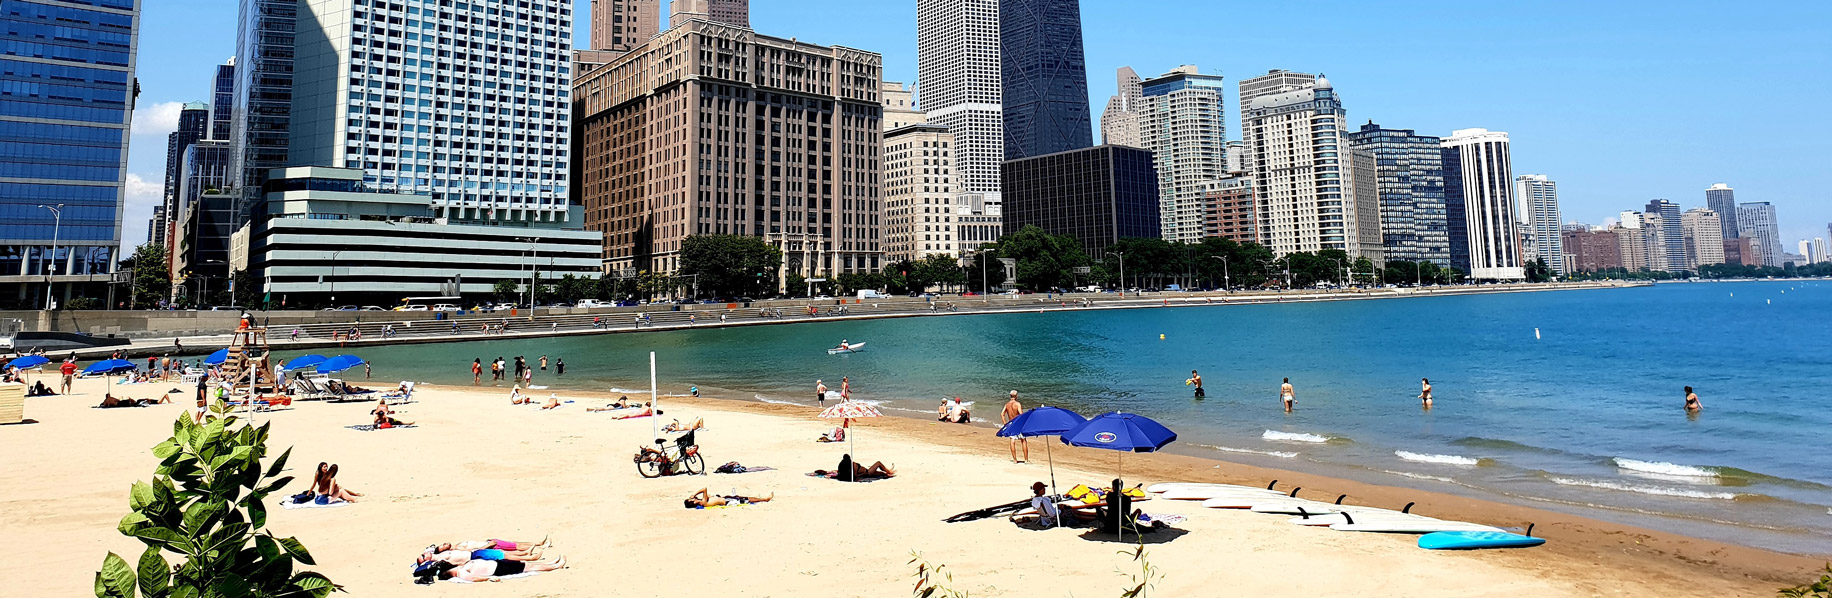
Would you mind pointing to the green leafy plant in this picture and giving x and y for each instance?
(1819, 589)
(1141, 581)
(926, 585)
(205, 505)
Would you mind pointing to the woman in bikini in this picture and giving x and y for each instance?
(703, 499)
(324, 483)
(486, 570)
(384, 415)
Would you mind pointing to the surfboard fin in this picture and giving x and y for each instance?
(1408, 509)
(1529, 533)
(1339, 498)
(1294, 492)
(1274, 483)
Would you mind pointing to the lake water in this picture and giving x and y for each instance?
(1564, 400)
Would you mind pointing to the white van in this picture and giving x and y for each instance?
(590, 303)
(445, 307)
(871, 294)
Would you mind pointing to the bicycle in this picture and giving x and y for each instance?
(682, 457)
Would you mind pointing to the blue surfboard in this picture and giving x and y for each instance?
(1476, 540)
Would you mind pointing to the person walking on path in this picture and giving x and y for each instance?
(1196, 379)
(1286, 395)
(820, 392)
(1013, 409)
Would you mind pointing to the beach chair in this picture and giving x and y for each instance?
(400, 396)
(305, 390)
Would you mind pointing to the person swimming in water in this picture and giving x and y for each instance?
(1287, 395)
(1692, 404)
(1425, 391)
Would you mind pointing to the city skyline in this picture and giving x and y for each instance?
(1645, 157)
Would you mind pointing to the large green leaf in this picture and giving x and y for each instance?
(229, 586)
(116, 579)
(257, 514)
(158, 534)
(201, 515)
(165, 449)
(297, 550)
(155, 575)
(314, 584)
(139, 495)
(280, 463)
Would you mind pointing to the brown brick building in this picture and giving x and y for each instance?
(1227, 210)
(714, 129)
(1592, 250)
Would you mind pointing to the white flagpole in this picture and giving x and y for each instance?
(655, 413)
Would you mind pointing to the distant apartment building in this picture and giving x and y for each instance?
(710, 128)
(1045, 78)
(262, 104)
(957, 58)
(1672, 237)
(1184, 125)
(1303, 178)
(1756, 220)
(1119, 123)
(1409, 179)
(1590, 250)
(619, 25)
(1819, 251)
(736, 13)
(193, 125)
(919, 208)
(1741, 251)
(1537, 197)
(1722, 199)
(1478, 193)
(899, 107)
(1228, 209)
(1098, 195)
(1240, 158)
(1632, 247)
(1275, 81)
(204, 215)
(1654, 235)
(1703, 238)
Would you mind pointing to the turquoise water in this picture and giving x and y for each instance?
(1584, 418)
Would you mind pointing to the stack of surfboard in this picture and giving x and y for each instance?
(1348, 518)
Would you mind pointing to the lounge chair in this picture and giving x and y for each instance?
(400, 396)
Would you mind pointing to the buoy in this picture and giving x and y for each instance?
(1160, 337)
(1771, 301)
(1536, 334)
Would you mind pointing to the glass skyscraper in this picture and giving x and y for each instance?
(222, 101)
(261, 110)
(1409, 170)
(66, 101)
(1045, 78)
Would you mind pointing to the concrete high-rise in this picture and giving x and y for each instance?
(1478, 191)
(1275, 81)
(1722, 199)
(1672, 236)
(193, 125)
(1591, 250)
(899, 107)
(1409, 180)
(1303, 176)
(1098, 195)
(487, 139)
(1631, 246)
(1045, 78)
(1704, 238)
(745, 134)
(1537, 197)
(957, 56)
(68, 70)
(1756, 220)
(1183, 124)
(222, 101)
(1119, 123)
(263, 105)
(919, 205)
(736, 13)
(618, 25)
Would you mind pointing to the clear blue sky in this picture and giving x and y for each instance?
(1620, 102)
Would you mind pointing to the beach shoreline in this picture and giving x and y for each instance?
(478, 466)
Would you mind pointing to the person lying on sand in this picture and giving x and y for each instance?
(703, 499)
(619, 406)
(385, 416)
(484, 570)
(460, 556)
(110, 402)
(877, 471)
(675, 426)
(553, 402)
(324, 483)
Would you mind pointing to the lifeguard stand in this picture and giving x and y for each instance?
(246, 362)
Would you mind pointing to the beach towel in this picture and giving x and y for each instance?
(371, 427)
(289, 505)
(835, 477)
(1167, 519)
(516, 576)
(645, 413)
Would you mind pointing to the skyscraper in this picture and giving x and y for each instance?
(1482, 194)
(488, 139)
(1410, 183)
(1672, 236)
(1537, 196)
(1045, 78)
(736, 13)
(1182, 122)
(222, 101)
(263, 105)
(193, 125)
(1723, 200)
(957, 56)
(618, 25)
(64, 120)
(1704, 238)
(1275, 81)
(1119, 123)
(1302, 180)
(1098, 195)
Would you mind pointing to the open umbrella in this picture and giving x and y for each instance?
(217, 358)
(1124, 432)
(304, 361)
(850, 410)
(109, 366)
(27, 362)
(1043, 421)
(339, 363)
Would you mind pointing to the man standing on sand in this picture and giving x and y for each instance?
(1013, 409)
(820, 392)
(69, 371)
(1196, 379)
(1692, 404)
(1286, 395)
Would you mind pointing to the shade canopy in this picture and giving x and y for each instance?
(108, 367)
(217, 358)
(850, 410)
(1043, 421)
(29, 361)
(304, 361)
(1117, 431)
(339, 363)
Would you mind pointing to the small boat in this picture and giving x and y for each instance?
(852, 348)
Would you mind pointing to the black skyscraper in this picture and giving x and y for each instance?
(1045, 78)
(1456, 209)
(1098, 195)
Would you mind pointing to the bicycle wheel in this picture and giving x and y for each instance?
(694, 464)
(648, 468)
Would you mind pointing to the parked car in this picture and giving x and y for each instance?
(445, 307)
(590, 303)
(373, 308)
(629, 303)
(411, 308)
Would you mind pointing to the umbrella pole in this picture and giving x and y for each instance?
(1052, 457)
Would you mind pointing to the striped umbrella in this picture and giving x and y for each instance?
(848, 411)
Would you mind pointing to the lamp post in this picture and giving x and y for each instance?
(1341, 266)
(1226, 285)
(533, 272)
(1421, 273)
(333, 277)
(57, 224)
(1122, 256)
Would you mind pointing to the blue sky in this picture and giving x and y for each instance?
(1620, 102)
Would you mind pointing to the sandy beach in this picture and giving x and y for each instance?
(477, 467)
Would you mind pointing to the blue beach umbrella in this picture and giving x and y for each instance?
(108, 367)
(217, 358)
(339, 363)
(1124, 432)
(1044, 421)
(304, 361)
(29, 361)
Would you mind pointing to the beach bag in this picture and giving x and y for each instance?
(732, 467)
(302, 497)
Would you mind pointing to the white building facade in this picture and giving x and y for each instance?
(919, 197)
(1302, 176)
(1756, 221)
(1119, 123)
(468, 103)
(1704, 237)
(958, 70)
(1538, 198)
(1182, 122)
(1482, 191)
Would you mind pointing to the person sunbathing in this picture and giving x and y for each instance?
(507, 545)
(109, 402)
(877, 471)
(324, 483)
(837, 435)
(517, 398)
(385, 416)
(676, 426)
(703, 499)
(619, 406)
(459, 556)
(485, 570)
(553, 402)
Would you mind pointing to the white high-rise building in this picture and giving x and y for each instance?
(469, 104)
(1538, 199)
(918, 193)
(958, 71)
(1478, 172)
(1119, 123)
(1704, 237)
(1756, 221)
(1240, 157)
(1275, 81)
(1819, 251)
(1182, 122)
(1303, 177)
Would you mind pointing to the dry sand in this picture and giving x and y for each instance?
(477, 467)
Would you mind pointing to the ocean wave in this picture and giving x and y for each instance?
(1229, 449)
(1499, 444)
(1294, 437)
(1645, 489)
(1439, 459)
(774, 401)
(1666, 469)
(1419, 476)
(628, 391)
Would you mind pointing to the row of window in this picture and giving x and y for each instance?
(98, 77)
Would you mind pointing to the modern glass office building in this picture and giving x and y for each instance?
(1045, 77)
(1409, 170)
(262, 105)
(1098, 195)
(66, 100)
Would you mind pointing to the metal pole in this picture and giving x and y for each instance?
(57, 224)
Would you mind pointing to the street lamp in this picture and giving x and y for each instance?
(1421, 273)
(1341, 266)
(1122, 256)
(1268, 264)
(1225, 283)
(533, 272)
(333, 277)
(57, 223)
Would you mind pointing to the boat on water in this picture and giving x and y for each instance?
(846, 348)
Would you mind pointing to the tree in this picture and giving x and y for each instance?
(205, 504)
(505, 290)
(985, 271)
(1539, 271)
(940, 270)
(247, 290)
(152, 280)
(730, 264)
(1045, 261)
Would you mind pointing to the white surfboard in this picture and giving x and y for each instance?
(1263, 501)
(1334, 518)
(1208, 493)
(1423, 526)
(1168, 486)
